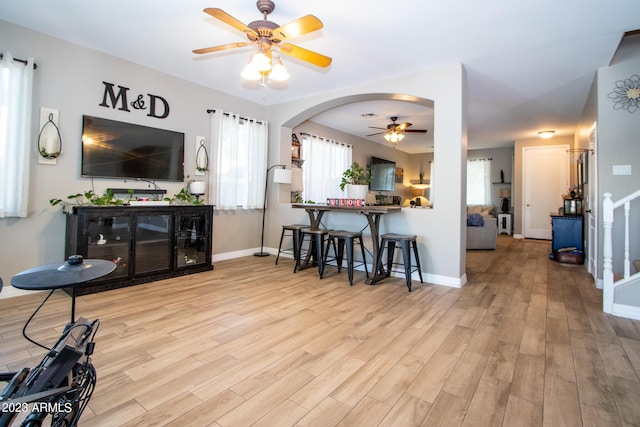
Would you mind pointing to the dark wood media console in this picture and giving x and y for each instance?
(147, 243)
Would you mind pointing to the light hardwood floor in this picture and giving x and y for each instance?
(524, 343)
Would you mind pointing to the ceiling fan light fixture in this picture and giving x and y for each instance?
(249, 72)
(260, 61)
(546, 134)
(394, 137)
(278, 72)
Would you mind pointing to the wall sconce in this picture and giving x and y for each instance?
(49, 138)
(202, 156)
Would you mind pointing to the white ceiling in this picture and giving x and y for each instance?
(529, 64)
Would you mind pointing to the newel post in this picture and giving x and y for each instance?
(607, 253)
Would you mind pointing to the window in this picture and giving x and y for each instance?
(324, 162)
(16, 82)
(241, 161)
(479, 182)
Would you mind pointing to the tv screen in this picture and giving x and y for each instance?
(383, 175)
(112, 149)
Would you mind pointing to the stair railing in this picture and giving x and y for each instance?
(608, 208)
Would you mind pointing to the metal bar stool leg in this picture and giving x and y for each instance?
(391, 247)
(364, 258)
(406, 258)
(280, 245)
(340, 253)
(349, 243)
(378, 262)
(415, 253)
(319, 244)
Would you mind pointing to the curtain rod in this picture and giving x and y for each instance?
(325, 139)
(241, 118)
(35, 66)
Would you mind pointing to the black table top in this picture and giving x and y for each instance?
(61, 275)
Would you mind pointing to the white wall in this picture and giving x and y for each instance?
(619, 144)
(439, 230)
(69, 78)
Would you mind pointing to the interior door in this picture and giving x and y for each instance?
(546, 178)
(592, 204)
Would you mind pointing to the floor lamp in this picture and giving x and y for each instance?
(280, 176)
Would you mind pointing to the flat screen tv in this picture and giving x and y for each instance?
(112, 149)
(383, 175)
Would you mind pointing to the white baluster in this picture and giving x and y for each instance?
(627, 261)
(607, 253)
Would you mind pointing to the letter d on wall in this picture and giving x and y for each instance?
(152, 107)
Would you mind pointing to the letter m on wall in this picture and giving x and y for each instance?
(110, 96)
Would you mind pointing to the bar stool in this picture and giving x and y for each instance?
(345, 238)
(317, 238)
(293, 230)
(406, 242)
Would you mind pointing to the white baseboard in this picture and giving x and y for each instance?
(454, 282)
(627, 311)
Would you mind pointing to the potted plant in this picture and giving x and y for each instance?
(189, 194)
(88, 198)
(356, 180)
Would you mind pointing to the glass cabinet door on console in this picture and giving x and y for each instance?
(191, 239)
(108, 237)
(153, 243)
(147, 243)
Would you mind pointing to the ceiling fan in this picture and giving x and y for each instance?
(396, 128)
(267, 35)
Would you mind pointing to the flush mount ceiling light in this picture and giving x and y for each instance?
(546, 134)
(267, 36)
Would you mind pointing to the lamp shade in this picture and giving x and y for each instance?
(197, 187)
(505, 192)
(282, 176)
(417, 191)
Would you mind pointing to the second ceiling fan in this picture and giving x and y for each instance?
(394, 132)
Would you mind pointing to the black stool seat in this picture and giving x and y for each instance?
(317, 238)
(345, 238)
(296, 237)
(406, 242)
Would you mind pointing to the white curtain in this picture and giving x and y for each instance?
(324, 162)
(16, 83)
(479, 182)
(239, 148)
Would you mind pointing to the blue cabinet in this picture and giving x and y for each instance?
(566, 232)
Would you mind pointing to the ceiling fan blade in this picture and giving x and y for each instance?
(306, 55)
(221, 47)
(228, 19)
(416, 130)
(377, 133)
(304, 25)
(375, 127)
(403, 126)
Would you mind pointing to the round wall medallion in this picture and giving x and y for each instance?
(626, 94)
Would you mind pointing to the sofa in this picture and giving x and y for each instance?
(482, 227)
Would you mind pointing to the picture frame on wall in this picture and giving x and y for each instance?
(399, 175)
(295, 147)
